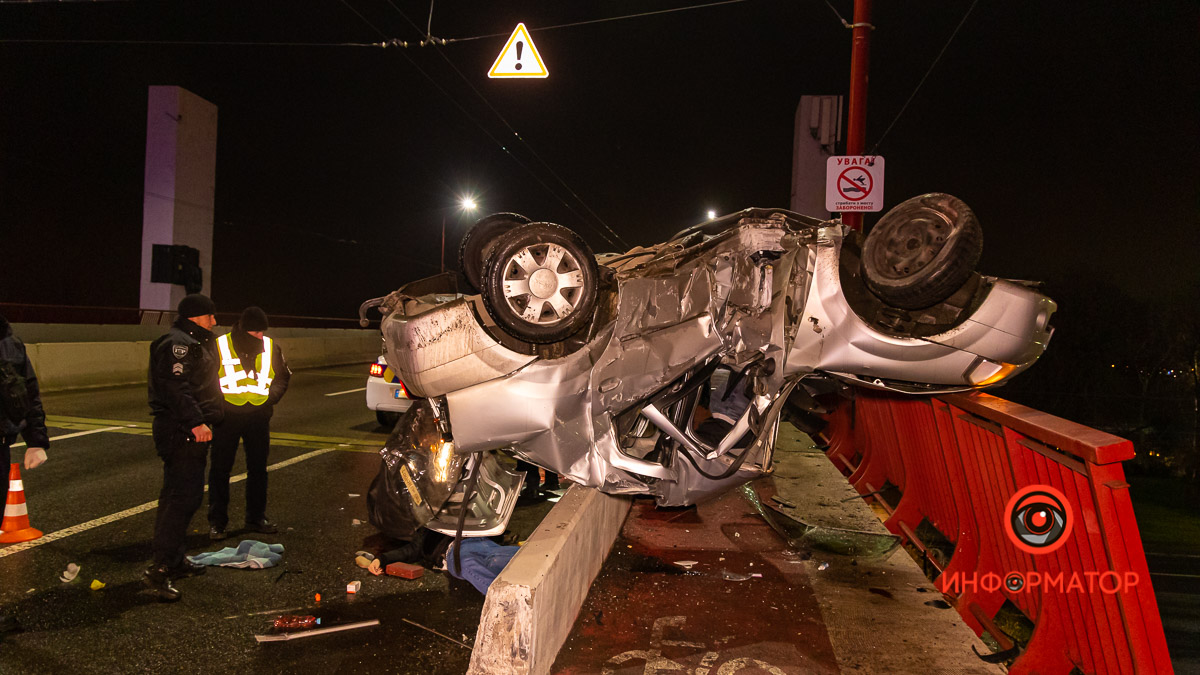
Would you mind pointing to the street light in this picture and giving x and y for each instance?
(466, 205)
(712, 214)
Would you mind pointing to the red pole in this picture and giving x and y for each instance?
(860, 59)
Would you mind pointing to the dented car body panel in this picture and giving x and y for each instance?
(760, 296)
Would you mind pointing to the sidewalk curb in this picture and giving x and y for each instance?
(531, 606)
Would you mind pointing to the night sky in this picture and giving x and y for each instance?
(1072, 129)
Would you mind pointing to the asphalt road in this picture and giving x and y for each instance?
(94, 500)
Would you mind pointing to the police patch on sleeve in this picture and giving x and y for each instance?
(179, 351)
(177, 368)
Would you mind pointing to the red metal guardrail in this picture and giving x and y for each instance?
(957, 461)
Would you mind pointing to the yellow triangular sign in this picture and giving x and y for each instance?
(519, 58)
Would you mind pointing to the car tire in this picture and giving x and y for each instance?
(922, 251)
(531, 296)
(387, 419)
(479, 241)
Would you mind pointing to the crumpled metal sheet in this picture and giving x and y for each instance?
(444, 348)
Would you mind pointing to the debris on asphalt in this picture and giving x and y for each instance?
(823, 566)
(733, 576)
(265, 611)
(352, 495)
(686, 564)
(97, 584)
(756, 575)
(404, 570)
(356, 522)
(457, 642)
(70, 573)
(316, 631)
(295, 622)
(353, 586)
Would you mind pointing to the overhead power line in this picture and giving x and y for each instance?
(616, 239)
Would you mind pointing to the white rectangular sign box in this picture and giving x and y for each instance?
(854, 183)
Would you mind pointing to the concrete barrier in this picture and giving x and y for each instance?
(532, 605)
(113, 359)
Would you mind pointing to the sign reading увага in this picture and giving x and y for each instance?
(854, 183)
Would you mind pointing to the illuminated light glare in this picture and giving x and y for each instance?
(441, 461)
(468, 204)
(711, 214)
(1003, 372)
(376, 370)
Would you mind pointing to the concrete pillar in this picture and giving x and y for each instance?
(818, 130)
(181, 162)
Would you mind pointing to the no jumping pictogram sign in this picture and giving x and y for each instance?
(854, 184)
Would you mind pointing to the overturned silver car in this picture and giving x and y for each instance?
(663, 371)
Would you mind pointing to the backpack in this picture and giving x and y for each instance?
(14, 396)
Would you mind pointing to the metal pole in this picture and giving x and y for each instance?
(443, 243)
(860, 59)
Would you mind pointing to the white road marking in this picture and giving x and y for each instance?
(92, 524)
(79, 433)
(348, 391)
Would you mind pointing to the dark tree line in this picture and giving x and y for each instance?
(1124, 365)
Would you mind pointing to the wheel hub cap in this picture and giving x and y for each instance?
(543, 283)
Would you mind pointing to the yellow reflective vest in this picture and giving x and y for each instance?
(241, 386)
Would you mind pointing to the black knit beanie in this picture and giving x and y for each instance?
(253, 319)
(196, 304)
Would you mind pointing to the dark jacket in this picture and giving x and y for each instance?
(183, 376)
(247, 348)
(33, 428)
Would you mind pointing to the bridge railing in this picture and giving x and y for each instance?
(955, 462)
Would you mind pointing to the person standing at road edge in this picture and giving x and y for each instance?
(254, 376)
(185, 400)
(20, 414)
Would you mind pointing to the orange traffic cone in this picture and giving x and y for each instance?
(15, 527)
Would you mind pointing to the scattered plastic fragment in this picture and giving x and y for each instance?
(296, 622)
(756, 575)
(737, 534)
(354, 494)
(733, 576)
(823, 566)
(316, 631)
(356, 522)
(97, 584)
(685, 564)
(70, 573)
(353, 586)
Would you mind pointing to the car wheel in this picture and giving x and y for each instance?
(387, 419)
(922, 251)
(539, 283)
(479, 241)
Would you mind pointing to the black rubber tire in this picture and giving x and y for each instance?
(387, 419)
(500, 268)
(922, 251)
(478, 242)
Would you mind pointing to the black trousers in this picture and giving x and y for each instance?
(254, 429)
(182, 491)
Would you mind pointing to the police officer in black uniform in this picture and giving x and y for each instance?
(185, 399)
(20, 413)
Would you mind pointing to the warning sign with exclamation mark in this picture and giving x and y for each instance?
(519, 58)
